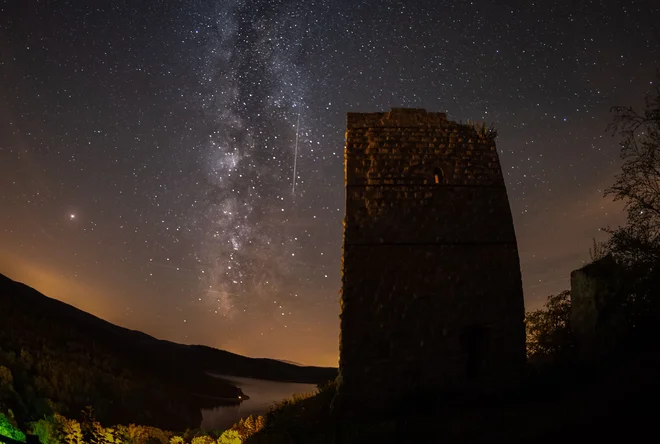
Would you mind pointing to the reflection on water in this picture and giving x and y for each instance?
(262, 395)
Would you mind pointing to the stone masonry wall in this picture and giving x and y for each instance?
(431, 293)
(598, 320)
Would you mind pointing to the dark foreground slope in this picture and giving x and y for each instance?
(614, 400)
(63, 358)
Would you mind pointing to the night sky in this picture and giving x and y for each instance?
(148, 148)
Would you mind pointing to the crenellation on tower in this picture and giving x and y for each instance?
(396, 118)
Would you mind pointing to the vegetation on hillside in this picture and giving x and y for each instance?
(55, 358)
(57, 429)
(56, 361)
(49, 367)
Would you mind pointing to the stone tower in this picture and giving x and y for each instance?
(431, 290)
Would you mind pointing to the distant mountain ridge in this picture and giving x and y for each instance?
(291, 362)
(38, 324)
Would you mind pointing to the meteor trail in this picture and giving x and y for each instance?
(295, 156)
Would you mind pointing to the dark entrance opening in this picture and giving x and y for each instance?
(473, 342)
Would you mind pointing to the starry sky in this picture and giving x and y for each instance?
(177, 166)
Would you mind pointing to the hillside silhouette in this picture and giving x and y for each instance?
(62, 359)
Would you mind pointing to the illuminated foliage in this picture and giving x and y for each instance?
(158, 435)
(549, 328)
(133, 434)
(8, 430)
(6, 378)
(248, 426)
(94, 432)
(259, 423)
(58, 429)
(203, 440)
(230, 437)
(139, 434)
(68, 431)
(46, 431)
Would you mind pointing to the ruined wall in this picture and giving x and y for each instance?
(431, 293)
(598, 320)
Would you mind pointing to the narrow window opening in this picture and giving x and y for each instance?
(473, 342)
(437, 175)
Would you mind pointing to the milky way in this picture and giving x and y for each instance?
(147, 150)
(256, 89)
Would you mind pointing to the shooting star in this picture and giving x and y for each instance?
(295, 156)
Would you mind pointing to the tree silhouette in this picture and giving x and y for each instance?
(636, 244)
(598, 250)
(549, 328)
(638, 184)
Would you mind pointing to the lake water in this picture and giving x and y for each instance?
(262, 395)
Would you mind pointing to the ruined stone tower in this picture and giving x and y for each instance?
(431, 294)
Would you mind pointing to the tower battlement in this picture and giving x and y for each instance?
(396, 118)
